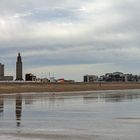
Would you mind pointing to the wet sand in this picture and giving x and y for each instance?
(65, 87)
(51, 136)
(100, 115)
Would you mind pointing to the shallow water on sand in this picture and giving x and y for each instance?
(101, 115)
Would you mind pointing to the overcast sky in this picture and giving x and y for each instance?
(70, 38)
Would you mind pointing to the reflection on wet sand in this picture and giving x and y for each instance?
(28, 100)
(50, 99)
(18, 109)
(110, 97)
(82, 116)
(1, 106)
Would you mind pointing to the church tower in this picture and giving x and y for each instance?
(19, 68)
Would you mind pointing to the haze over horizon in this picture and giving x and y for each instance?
(70, 38)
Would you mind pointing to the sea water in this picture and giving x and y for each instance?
(98, 115)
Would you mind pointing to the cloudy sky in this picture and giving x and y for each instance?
(70, 38)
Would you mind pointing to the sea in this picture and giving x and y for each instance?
(94, 115)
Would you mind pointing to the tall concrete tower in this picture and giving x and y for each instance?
(19, 68)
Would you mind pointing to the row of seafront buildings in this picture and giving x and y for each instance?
(112, 77)
(18, 71)
(108, 77)
(28, 76)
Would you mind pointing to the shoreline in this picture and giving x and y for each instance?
(23, 87)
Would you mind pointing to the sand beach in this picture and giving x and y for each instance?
(63, 87)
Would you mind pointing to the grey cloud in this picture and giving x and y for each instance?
(70, 32)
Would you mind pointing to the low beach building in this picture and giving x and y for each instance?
(30, 77)
(90, 78)
(6, 78)
(115, 76)
(119, 77)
